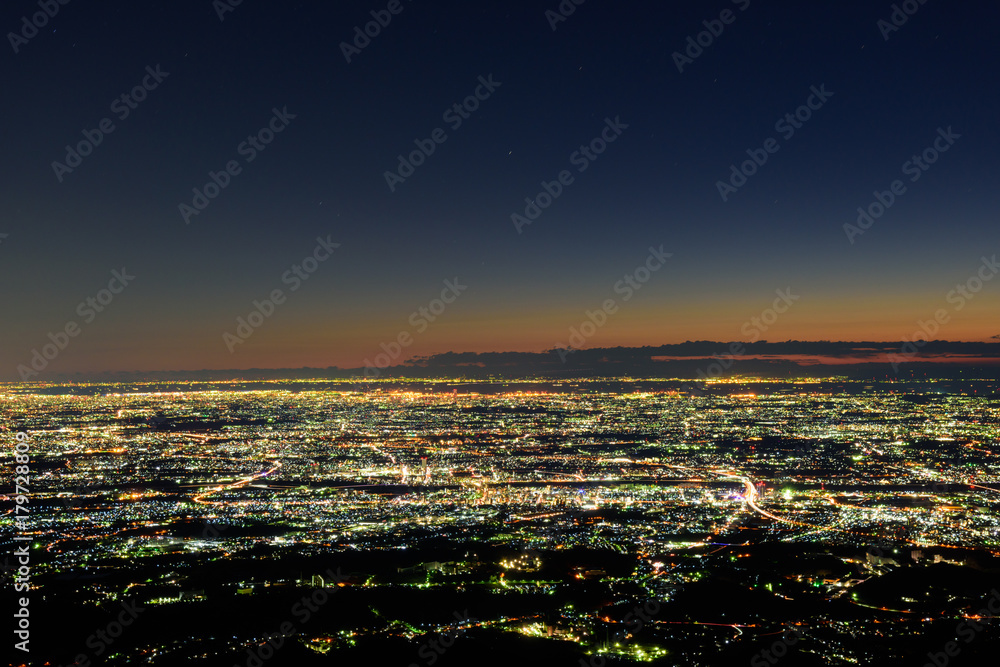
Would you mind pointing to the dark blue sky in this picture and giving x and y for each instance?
(323, 176)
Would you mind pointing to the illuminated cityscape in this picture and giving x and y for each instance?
(523, 334)
(612, 521)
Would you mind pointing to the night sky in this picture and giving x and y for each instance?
(608, 67)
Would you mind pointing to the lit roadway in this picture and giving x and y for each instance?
(234, 485)
(751, 498)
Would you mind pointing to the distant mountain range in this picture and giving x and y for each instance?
(698, 360)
